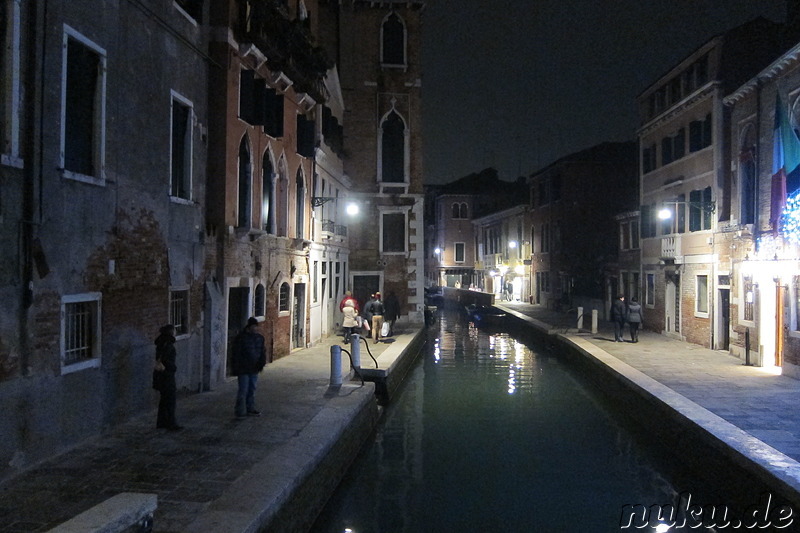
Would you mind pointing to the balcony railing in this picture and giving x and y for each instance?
(341, 230)
(329, 226)
(671, 247)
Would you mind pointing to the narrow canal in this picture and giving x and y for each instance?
(490, 435)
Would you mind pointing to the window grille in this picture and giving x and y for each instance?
(79, 334)
(179, 311)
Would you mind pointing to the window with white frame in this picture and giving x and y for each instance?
(701, 297)
(192, 8)
(459, 252)
(83, 109)
(181, 148)
(650, 289)
(393, 232)
(260, 301)
(80, 332)
(10, 93)
(749, 297)
(179, 311)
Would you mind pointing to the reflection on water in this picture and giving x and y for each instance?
(489, 435)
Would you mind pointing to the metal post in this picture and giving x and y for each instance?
(594, 321)
(747, 346)
(355, 350)
(336, 365)
(580, 318)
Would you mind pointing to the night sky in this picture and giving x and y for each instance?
(516, 84)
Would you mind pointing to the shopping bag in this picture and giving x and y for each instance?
(385, 329)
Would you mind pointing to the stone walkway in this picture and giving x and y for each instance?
(191, 469)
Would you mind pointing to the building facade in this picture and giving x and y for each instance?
(685, 192)
(102, 195)
(764, 258)
(572, 231)
(380, 71)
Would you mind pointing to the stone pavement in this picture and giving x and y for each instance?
(215, 459)
(755, 408)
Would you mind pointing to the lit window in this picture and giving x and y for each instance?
(702, 294)
(749, 298)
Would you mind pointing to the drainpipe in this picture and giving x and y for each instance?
(31, 149)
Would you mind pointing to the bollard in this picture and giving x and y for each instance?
(594, 321)
(355, 350)
(747, 346)
(580, 318)
(336, 365)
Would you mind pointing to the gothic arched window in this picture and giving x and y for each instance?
(245, 185)
(393, 41)
(393, 147)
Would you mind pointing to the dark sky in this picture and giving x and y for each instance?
(516, 84)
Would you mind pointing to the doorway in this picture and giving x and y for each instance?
(238, 313)
(299, 316)
(672, 303)
(724, 319)
(364, 286)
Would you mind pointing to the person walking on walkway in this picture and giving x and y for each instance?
(618, 313)
(375, 310)
(391, 308)
(350, 319)
(635, 319)
(249, 358)
(348, 297)
(166, 354)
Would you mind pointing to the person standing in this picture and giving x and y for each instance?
(350, 320)
(166, 354)
(376, 312)
(391, 308)
(635, 319)
(618, 313)
(249, 358)
(367, 314)
(348, 297)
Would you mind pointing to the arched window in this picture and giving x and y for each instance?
(456, 211)
(283, 298)
(463, 211)
(393, 144)
(747, 178)
(260, 304)
(282, 203)
(533, 238)
(267, 195)
(300, 204)
(393, 41)
(245, 184)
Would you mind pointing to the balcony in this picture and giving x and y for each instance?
(671, 247)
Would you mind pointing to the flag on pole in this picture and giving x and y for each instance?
(785, 161)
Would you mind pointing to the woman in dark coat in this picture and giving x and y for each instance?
(165, 352)
(391, 310)
(635, 319)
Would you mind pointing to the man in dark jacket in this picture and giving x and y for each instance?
(249, 358)
(618, 314)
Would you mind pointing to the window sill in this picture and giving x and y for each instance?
(83, 178)
(181, 201)
(12, 161)
(82, 365)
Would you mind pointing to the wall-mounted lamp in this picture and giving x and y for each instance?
(319, 201)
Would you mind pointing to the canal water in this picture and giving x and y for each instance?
(491, 435)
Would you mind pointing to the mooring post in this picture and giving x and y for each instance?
(594, 321)
(336, 365)
(355, 350)
(580, 318)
